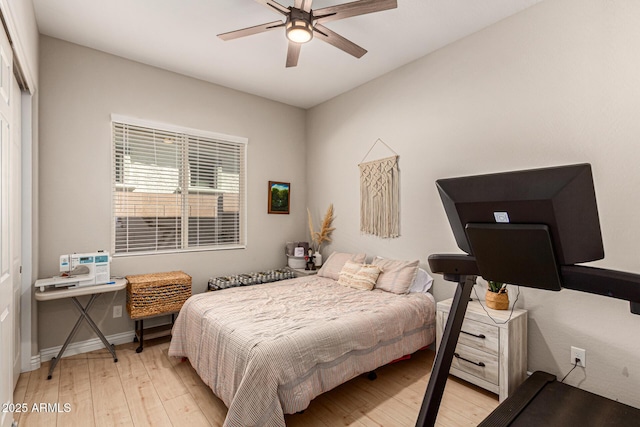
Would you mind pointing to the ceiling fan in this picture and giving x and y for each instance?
(302, 24)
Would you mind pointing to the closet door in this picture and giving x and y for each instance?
(15, 226)
(7, 229)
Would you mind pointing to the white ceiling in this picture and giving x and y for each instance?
(180, 36)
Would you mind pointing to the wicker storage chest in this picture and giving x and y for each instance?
(157, 293)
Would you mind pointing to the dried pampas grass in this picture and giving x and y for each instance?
(324, 235)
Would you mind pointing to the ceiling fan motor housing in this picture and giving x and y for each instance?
(299, 27)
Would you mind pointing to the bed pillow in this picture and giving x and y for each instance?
(422, 282)
(397, 276)
(333, 265)
(359, 276)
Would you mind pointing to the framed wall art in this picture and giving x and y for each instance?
(279, 197)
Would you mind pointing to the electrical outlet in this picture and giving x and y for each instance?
(579, 353)
(117, 311)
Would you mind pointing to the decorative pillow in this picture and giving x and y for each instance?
(397, 276)
(422, 282)
(359, 276)
(333, 265)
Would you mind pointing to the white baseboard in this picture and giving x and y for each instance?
(85, 346)
(35, 362)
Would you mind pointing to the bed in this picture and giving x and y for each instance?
(269, 349)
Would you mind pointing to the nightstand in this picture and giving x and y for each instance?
(491, 355)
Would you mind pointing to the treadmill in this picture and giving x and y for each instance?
(530, 228)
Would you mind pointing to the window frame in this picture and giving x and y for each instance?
(186, 132)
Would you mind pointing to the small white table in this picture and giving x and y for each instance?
(95, 291)
(492, 347)
(301, 272)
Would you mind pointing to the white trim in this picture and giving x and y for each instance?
(244, 237)
(27, 304)
(178, 251)
(26, 299)
(178, 129)
(17, 45)
(86, 346)
(33, 364)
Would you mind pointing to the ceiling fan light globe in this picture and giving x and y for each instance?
(298, 35)
(299, 31)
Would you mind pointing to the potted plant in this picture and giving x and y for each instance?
(497, 297)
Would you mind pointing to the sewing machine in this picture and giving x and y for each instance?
(80, 270)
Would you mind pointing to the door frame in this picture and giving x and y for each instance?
(27, 81)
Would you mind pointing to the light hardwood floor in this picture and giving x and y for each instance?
(152, 389)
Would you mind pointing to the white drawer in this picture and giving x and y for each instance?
(480, 336)
(498, 350)
(476, 362)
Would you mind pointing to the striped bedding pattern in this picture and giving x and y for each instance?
(269, 349)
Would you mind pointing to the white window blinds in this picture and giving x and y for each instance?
(176, 190)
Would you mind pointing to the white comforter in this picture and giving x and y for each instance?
(269, 349)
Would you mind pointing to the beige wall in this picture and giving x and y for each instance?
(552, 85)
(80, 88)
(555, 84)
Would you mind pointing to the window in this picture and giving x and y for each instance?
(176, 189)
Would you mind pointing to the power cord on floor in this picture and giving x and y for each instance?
(575, 365)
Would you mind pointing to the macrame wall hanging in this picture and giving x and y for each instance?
(380, 195)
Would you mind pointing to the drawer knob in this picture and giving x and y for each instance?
(481, 336)
(457, 356)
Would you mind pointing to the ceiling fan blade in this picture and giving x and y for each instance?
(274, 5)
(335, 39)
(345, 10)
(293, 53)
(251, 30)
(303, 5)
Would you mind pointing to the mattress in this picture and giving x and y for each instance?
(269, 349)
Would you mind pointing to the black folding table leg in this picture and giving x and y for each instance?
(140, 347)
